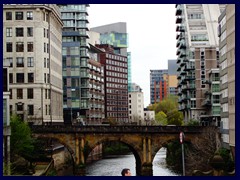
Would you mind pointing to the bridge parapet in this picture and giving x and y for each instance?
(117, 129)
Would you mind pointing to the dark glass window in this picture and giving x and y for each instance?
(8, 15)
(10, 77)
(10, 60)
(29, 15)
(19, 47)
(30, 93)
(30, 46)
(19, 15)
(19, 106)
(20, 77)
(19, 32)
(8, 32)
(30, 77)
(19, 93)
(30, 32)
(30, 110)
(9, 47)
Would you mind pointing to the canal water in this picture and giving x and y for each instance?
(113, 165)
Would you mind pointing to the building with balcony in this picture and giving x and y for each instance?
(226, 33)
(33, 46)
(198, 53)
(79, 68)
(115, 84)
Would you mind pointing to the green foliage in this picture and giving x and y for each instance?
(161, 118)
(193, 122)
(22, 143)
(115, 148)
(169, 107)
(228, 161)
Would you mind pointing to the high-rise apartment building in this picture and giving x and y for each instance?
(32, 45)
(226, 33)
(198, 52)
(158, 85)
(116, 84)
(82, 72)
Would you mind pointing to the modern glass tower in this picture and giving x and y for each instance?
(75, 60)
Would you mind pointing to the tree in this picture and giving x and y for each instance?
(21, 140)
(161, 118)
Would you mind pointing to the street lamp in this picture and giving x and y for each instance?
(72, 90)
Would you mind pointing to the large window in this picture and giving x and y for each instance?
(19, 47)
(9, 32)
(19, 15)
(30, 62)
(9, 47)
(30, 32)
(30, 46)
(20, 77)
(30, 77)
(30, 93)
(19, 32)
(8, 15)
(10, 60)
(19, 106)
(20, 62)
(10, 77)
(30, 110)
(19, 93)
(29, 15)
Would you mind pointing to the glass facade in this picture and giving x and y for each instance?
(119, 40)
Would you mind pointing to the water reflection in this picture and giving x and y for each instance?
(113, 165)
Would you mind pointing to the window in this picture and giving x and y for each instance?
(44, 50)
(20, 77)
(30, 93)
(30, 62)
(20, 62)
(19, 106)
(30, 32)
(10, 77)
(30, 46)
(19, 47)
(10, 60)
(30, 110)
(19, 93)
(9, 32)
(19, 15)
(30, 77)
(9, 47)
(8, 15)
(10, 96)
(29, 15)
(19, 32)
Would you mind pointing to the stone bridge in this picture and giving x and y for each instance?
(143, 141)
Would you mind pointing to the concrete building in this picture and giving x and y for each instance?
(136, 105)
(198, 52)
(32, 45)
(149, 116)
(6, 120)
(115, 84)
(226, 33)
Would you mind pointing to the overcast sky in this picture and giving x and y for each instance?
(152, 36)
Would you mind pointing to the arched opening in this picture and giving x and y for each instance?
(112, 164)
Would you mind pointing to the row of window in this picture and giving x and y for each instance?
(121, 75)
(19, 15)
(111, 85)
(118, 69)
(119, 58)
(30, 78)
(116, 63)
(117, 80)
(30, 109)
(20, 61)
(19, 32)
(19, 47)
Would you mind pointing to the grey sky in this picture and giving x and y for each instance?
(152, 36)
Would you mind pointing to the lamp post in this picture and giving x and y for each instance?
(181, 137)
(72, 90)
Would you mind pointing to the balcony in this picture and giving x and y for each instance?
(206, 102)
(189, 78)
(182, 54)
(178, 20)
(178, 10)
(180, 29)
(178, 52)
(189, 68)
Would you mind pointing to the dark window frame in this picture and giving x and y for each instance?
(19, 15)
